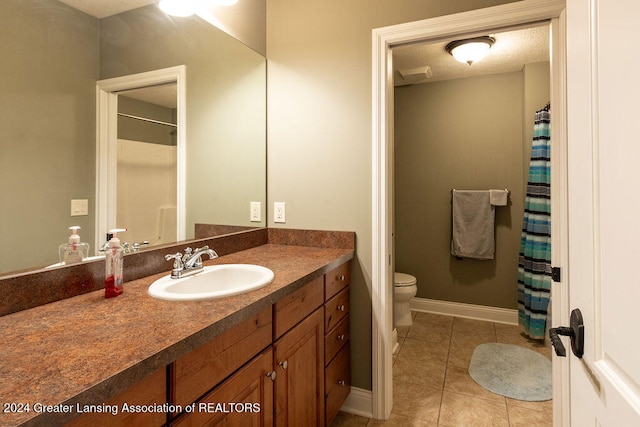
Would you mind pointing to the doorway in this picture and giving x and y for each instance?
(146, 171)
(109, 115)
(463, 24)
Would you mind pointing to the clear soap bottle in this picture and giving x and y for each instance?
(74, 251)
(113, 261)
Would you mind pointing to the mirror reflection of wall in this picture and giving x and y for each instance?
(51, 60)
(53, 55)
(225, 108)
(147, 164)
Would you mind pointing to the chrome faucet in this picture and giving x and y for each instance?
(189, 263)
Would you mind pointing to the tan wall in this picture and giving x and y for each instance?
(464, 134)
(246, 21)
(319, 125)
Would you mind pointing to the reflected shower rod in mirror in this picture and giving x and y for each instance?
(144, 119)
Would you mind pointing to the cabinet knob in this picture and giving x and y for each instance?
(341, 337)
(271, 375)
(340, 307)
(283, 364)
(340, 277)
(342, 383)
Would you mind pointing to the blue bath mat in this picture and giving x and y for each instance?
(512, 371)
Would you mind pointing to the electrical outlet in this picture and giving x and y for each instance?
(255, 214)
(279, 212)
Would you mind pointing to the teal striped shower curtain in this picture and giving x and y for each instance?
(534, 263)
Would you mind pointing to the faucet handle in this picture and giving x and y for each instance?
(177, 257)
(136, 246)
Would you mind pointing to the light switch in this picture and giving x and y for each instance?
(79, 207)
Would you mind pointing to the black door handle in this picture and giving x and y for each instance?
(575, 331)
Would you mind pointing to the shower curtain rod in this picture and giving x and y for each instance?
(144, 119)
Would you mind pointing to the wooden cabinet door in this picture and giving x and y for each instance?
(299, 366)
(150, 391)
(245, 399)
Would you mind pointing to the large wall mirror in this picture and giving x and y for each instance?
(53, 57)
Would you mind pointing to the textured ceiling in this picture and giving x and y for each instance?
(511, 51)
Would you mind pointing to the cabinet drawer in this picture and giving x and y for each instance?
(150, 391)
(296, 306)
(335, 339)
(337, 383)
(335, 309)
(197, 372)
(335, 280)
(250, 392)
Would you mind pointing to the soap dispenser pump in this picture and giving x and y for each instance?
(74, 251)
(113, 262)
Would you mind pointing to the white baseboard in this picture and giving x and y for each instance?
(359, 402)
(469, 311)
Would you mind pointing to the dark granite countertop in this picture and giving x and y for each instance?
(87, 348)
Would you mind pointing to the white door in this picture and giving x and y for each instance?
(603, 96)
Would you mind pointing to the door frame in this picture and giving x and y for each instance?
(107, 136)
(451, 26)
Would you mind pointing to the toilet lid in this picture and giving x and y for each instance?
(403, 279)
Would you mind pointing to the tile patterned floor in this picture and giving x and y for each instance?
(432, 386)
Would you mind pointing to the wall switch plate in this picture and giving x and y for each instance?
(255, 212)
(79, 207)
(279, 212)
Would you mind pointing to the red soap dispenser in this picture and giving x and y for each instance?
(113, 262)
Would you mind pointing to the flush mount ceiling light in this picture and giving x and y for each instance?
(472, 50)
(181, 8)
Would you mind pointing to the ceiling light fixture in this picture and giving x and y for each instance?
(471, 50)
(180, 8)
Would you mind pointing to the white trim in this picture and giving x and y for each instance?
(481, 20)
(106, 137)
(469, 311)
(616, 375)
(381, 291)
(358, 403)
(559, 220)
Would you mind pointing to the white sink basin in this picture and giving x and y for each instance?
(214, 281)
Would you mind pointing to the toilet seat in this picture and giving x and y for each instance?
(403, 279)
(404, 289)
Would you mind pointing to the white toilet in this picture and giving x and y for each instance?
(404, 288)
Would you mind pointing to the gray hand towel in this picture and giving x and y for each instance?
(473, 221)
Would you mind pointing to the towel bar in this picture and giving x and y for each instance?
(506, 189)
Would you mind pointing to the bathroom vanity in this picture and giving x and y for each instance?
(276, 355)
